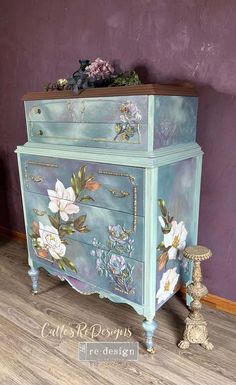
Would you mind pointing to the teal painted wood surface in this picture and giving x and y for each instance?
(130, 123)
(113, 220)
(114, 187)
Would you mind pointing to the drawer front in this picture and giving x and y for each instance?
(114, 187)
(94, 122)
(112, 230)
(106, 271)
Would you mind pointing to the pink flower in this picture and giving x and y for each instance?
(99, 69)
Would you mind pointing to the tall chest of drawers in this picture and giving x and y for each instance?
(110, 182)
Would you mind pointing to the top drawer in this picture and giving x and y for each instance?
(112, 122)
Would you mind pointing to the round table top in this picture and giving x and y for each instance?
(197, 253)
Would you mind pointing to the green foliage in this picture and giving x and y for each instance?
(161, 247)
(125, 79)
(86, 198)
(78, 183)
(55, 221)
(79, 224)
(165, 216)
(68, 263)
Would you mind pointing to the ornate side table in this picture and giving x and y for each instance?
(195, 326)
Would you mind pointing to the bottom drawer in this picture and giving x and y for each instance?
(104, 269)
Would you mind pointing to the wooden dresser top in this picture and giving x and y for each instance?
(142, 89)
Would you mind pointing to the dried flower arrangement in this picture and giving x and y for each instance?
(99, 73)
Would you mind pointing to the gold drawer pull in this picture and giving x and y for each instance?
(118, 193)
(36, 178)
(38, 212)
(132, 181)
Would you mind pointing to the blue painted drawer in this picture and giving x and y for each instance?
(91, 264)
(115, 122)
(113, 230)
(114, 187)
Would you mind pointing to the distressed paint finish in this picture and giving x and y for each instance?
(175, 120)
(41, 173)
(98, 220)
(80, 254)
(178, 185)
(86, 122)
(187, 40)
(115, 253)
(164, 121)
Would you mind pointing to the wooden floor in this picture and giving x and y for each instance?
(28, 358)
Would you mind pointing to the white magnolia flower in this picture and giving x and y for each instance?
(167, 285)
(130, 113)
(50, 240)
(62, 201)
(176, 238)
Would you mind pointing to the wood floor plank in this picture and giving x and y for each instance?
(27, 358)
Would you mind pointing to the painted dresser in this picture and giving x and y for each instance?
(110, 181)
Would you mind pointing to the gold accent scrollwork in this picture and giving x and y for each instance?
(31, 162)
(38, 212)
(134, 192)
(36, 178)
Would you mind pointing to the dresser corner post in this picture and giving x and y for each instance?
(34, 275)
(149, 326)
(188, 298)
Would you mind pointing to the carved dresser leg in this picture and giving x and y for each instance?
(34, 275)
(149, 328)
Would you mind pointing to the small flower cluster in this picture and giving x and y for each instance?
(99, 73)
(129, 121)
(114, 266)
(130, 113)
(99, 69)
(119, 239)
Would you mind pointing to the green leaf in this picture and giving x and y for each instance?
(163, 208)
(161, 246)
(75, 183)
(34, 236)
(79, 221)
(54, 221)
(61, 265)
(83, 229)
(81, 176)
(89, 177)
(67, 229)
(69, 264)
(86, 198)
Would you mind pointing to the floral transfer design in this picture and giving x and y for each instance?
(62, 201)
(112, 265)
(129, 122)
(49, 242)
(168, 285)
(174, 233)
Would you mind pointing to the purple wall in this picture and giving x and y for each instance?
(165, 40)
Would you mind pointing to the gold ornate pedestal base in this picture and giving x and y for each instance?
(195, 326)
